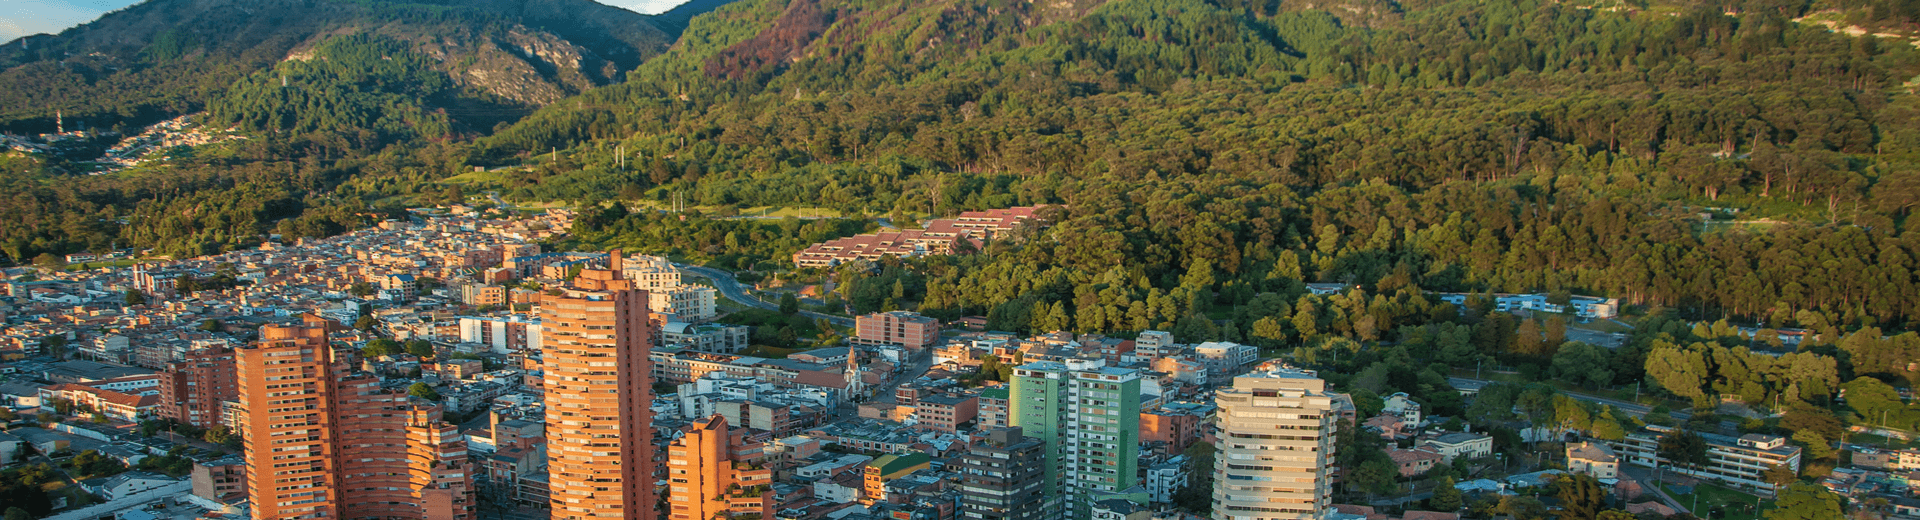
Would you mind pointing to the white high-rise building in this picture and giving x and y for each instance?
(1275, 443)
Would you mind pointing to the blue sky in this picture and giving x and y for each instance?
(23, 17)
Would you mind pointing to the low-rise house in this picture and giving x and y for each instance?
(1597, 460)
(1461, 444)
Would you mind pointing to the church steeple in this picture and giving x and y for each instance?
(854, 387)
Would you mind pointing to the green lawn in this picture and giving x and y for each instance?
(1736, 504)
(1601, 326)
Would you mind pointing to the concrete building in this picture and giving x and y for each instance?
(1089, 417)
(1460, 444)
(1000, 478)
(1593, 459)
(322, 442)
(902, 328)
(1153, 344)
(191, 391)
(1166, 478)
(1275, 444)
(1738, 460)
(599, 424)
(889, 467)
(504, 334)
(684, 303)
(706, 337)
(221, 480)
(712, 472)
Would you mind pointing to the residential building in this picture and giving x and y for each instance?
(1460, 444)
(505, 334)
(191, 391)
(712, 472)
(1738, 460)
(1274, 447)
(220, 480)
(599, 424)
(1153, 344)
(993, 408)
(684, 303)
(1089, 417)
(946, 412)
(706, 337)
(322, 442)
(477, 294)
(1415, 461)
(888, 467)
(1000, 478)
(1593, 459)
(1224, 359)
(1166, 478)
(1404, 406)
(903, 328)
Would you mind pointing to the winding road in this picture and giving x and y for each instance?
(731, 288)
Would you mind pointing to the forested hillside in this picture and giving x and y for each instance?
(1209, 152)
(347, 104)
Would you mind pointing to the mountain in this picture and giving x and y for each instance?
(163, 58)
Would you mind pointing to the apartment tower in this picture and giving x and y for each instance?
(598, 396)
(326, 442)
(1088, 415)
(1000, 478)
(712, 472)
(1275, 444)
(192, 390)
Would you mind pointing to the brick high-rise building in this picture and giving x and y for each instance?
(191, 391)
(325, 442)
(1275, 443)
(713, 472)
(599, 434)
(902, 328)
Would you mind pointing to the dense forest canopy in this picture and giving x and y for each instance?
(1204, 152)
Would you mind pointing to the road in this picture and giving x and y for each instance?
(1638, 411)
(732, 289)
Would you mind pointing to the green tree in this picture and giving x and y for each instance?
(381, 347)
(135, 297)
(789, 305)
(1581, 496)
(421, 348)
(1779, 475)
(50, 261)
(1684, 448)
(423, 391)
(366, 322)
(1588, 365)
(1446, 498)
(15, 513)
(1197, 496)
(1803, 501)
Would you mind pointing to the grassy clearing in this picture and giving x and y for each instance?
(1737, 505)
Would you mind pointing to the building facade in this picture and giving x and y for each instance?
(191, 391)
(1273, 449)
(599, 434)
(1088, 415)
(902, 328)
(1000, 478)
(712, 472)
(323, 442)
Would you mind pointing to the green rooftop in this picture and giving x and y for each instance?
(895, 463)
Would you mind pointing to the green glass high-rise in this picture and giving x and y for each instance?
(1089, 417)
